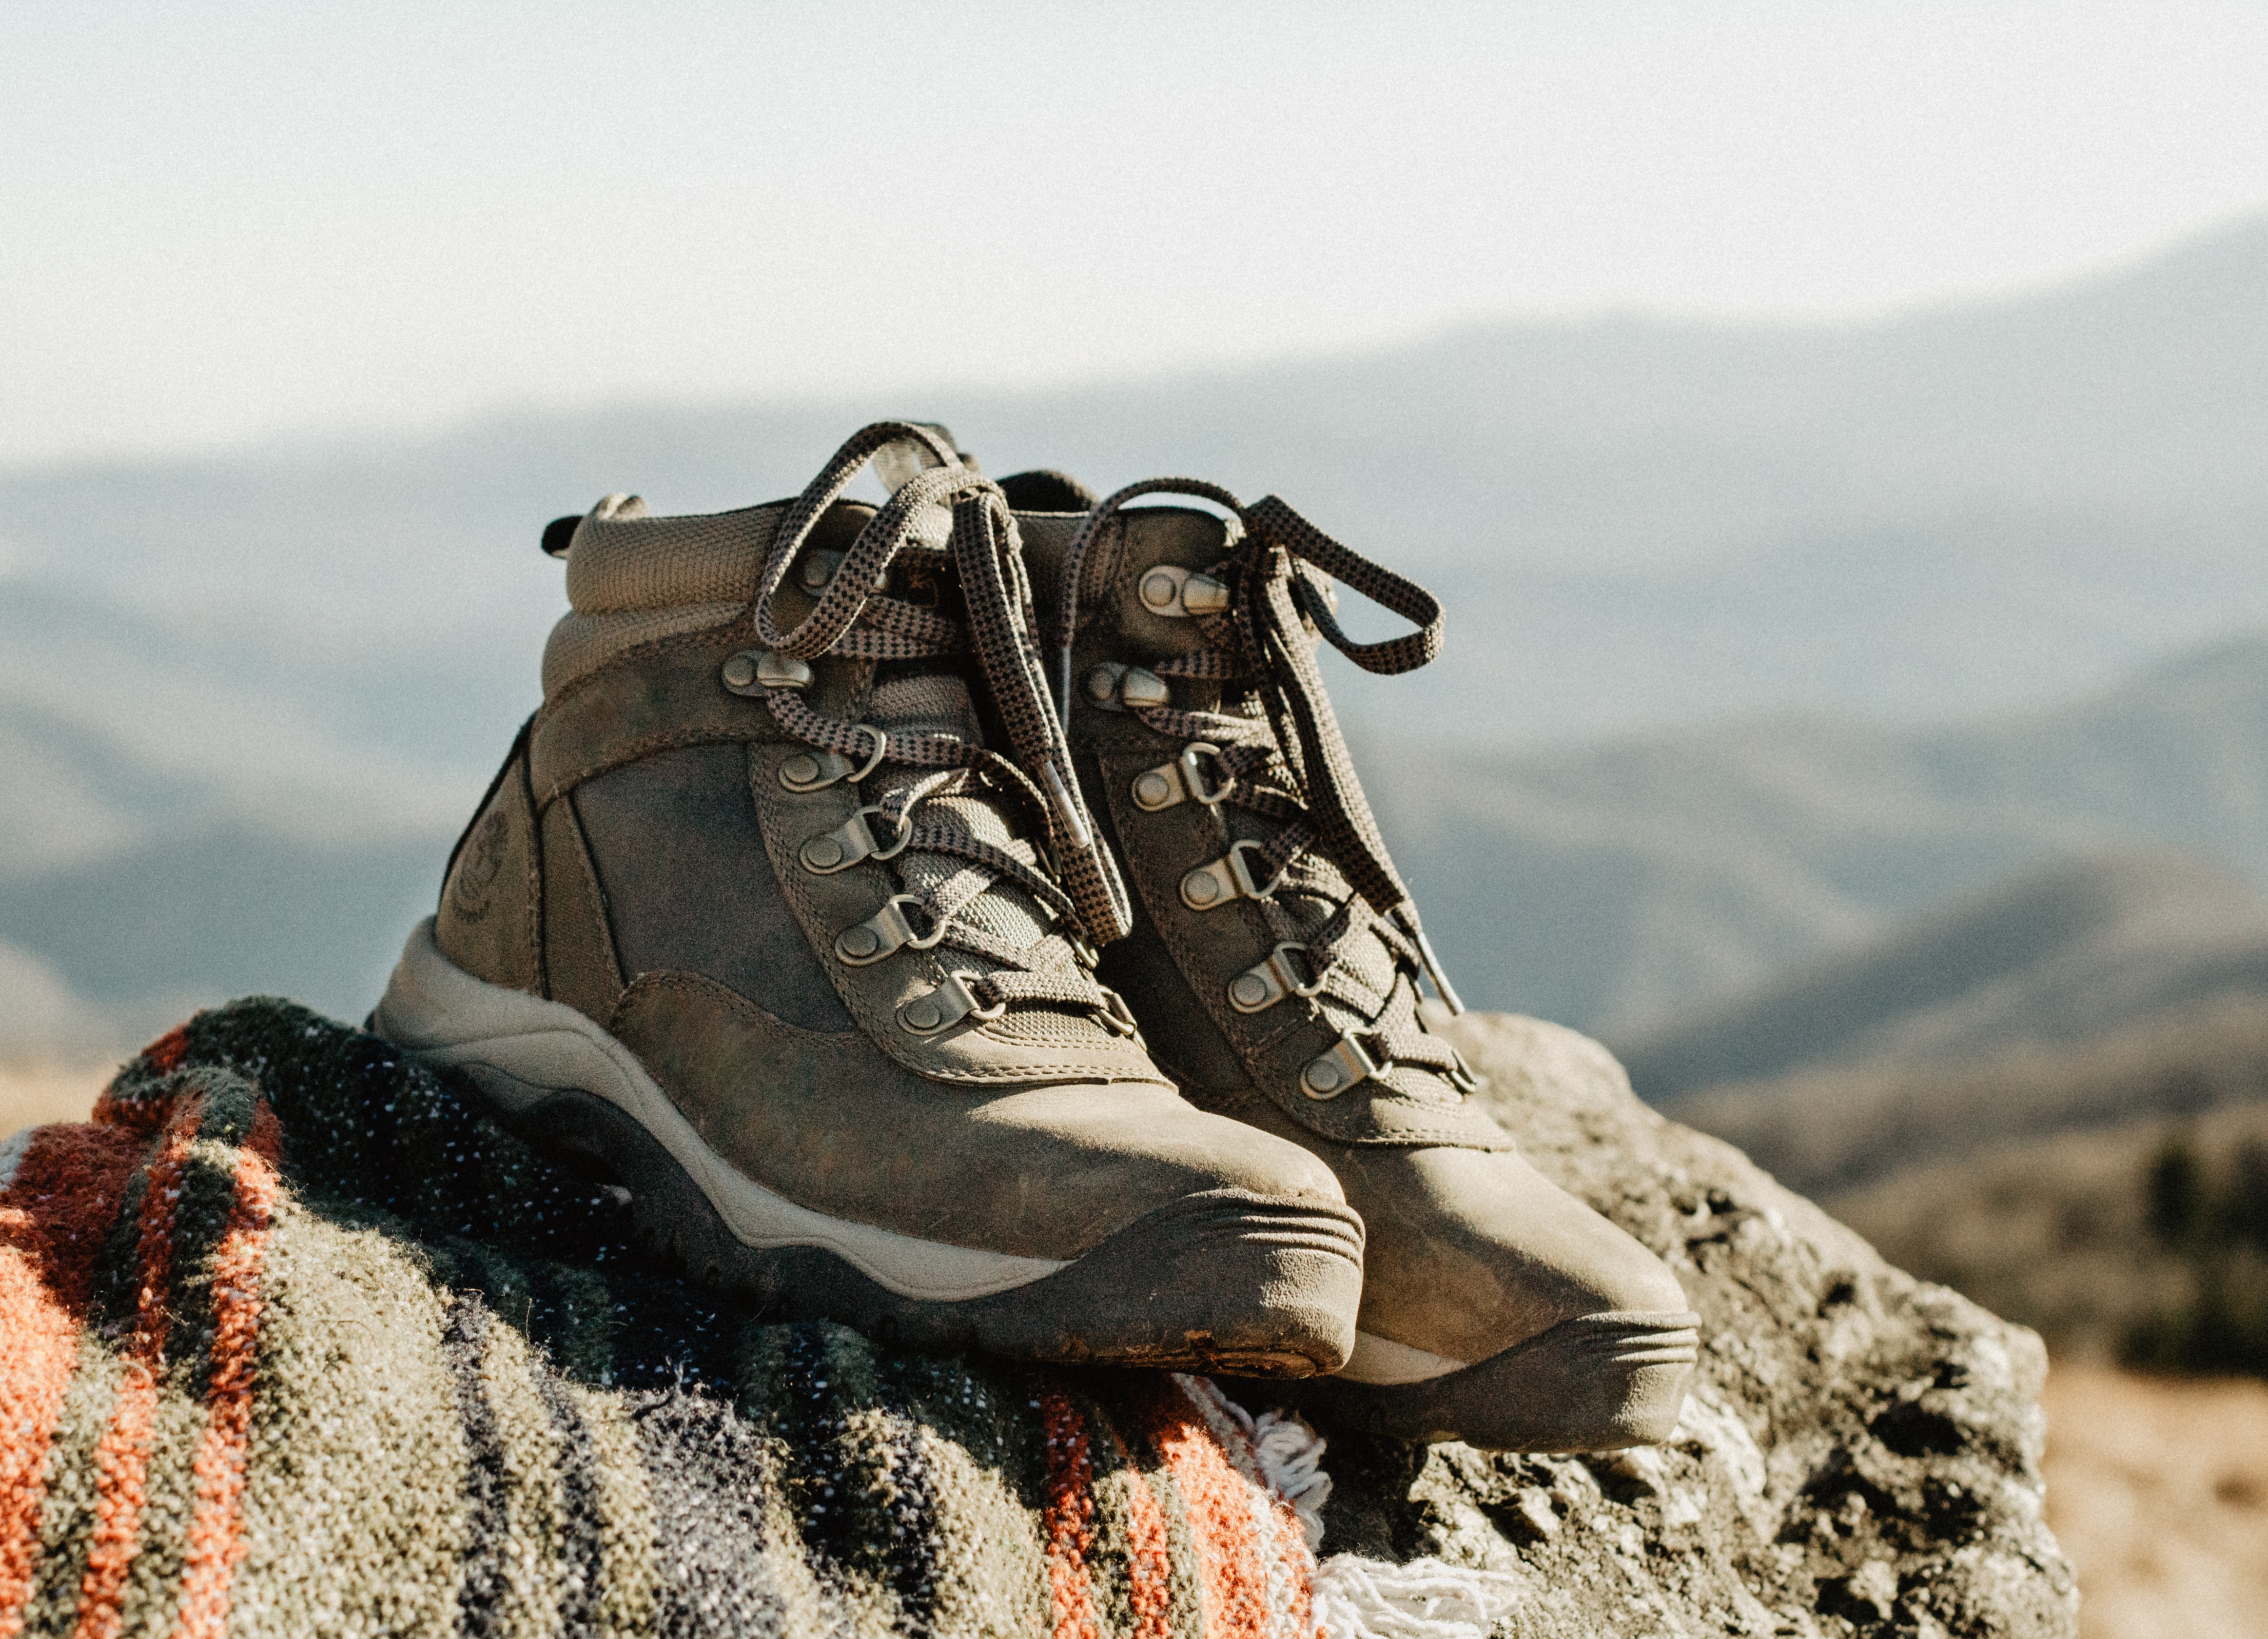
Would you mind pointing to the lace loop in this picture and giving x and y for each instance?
(1071, 878)
(1279, 608)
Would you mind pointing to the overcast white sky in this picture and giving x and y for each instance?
(219, 223)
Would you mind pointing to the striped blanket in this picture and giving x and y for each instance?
(293, 1340)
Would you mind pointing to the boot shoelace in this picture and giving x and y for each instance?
(1286, 759)
(1073, 878)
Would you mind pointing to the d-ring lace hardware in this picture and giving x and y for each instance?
(1117, 687)
(1459, 1075)
(1220, 880)
(884, 934)
(850, 843)
(1181, 780)
(1115, 1014)
(1259, 988)
(946, 1005)
(1346, 1063)
(815, 770)
(1177, 593)
(757, 672)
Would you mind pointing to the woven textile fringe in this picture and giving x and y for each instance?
(1360, 1598)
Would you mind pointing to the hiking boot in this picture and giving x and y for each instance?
(782, 915)
(1276, 961)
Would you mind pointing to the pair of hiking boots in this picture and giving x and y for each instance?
(800, 911)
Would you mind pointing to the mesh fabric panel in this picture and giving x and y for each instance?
(658, 563)
(580, 643)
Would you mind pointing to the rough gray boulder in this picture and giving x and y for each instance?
(1861, 1454)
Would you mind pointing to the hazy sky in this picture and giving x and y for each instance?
(223, 223)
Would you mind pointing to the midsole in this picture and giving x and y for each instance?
(1624, 1337)
(521, 1049)
(1382, 1360)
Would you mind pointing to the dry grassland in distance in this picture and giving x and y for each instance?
(2158, 1490)
(32, 1095)
(2057, 1234)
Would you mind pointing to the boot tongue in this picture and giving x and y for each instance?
(938, 703)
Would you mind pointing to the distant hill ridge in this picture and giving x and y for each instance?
(1620, 886)
(1828, 1131)
(2070, 953)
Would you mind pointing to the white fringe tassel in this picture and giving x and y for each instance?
(1360, 1598)
(1357, 1598)
(1291, 1458)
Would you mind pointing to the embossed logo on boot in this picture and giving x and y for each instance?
(472, 888)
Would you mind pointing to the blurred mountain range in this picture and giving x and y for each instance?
(1979, 591)
(1633, 882)
(2057, 958)
(1639, 524)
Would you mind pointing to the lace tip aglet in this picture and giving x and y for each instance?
(1074, 823)
(1442, 988)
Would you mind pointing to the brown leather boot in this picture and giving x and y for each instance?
(1277, 956)
(782, 913)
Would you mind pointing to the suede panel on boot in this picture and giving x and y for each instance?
(1061, 1169)
(581, 967)
(677, 846)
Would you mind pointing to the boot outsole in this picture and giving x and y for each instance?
(1597, 1383)
(1221, 1280)
(1224, 1282)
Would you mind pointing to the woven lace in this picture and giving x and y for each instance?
(1069, 877)
(1282, 753)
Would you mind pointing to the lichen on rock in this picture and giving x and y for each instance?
(1860, 1454)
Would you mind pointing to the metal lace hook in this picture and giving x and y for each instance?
(881, 749)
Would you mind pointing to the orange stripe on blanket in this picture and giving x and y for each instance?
(54, 1216)
(1149, 1554)
(1230, 1569)
(122, 1457)
(216, 1544)
(1069, 1519)
(1290, 1568)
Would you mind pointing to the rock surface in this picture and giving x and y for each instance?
(1861, 1455)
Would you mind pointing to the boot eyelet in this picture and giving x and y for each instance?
(1140, 689)
(813, 771)
(1181, 780)
(1161, 589)
(1216, 882)
(759, 672)
(1261, 986)
(817, 571)
(1156, 788)
(1117, 687)
(1174, 592)
(852, 843)
(1347, 1063)
(884, 934)
(950, 1003)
